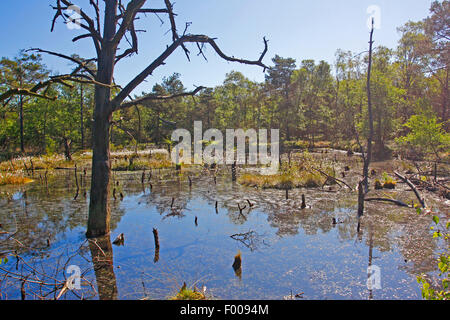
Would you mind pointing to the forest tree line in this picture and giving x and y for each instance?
(312, 103)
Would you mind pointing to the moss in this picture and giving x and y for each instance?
(188, 294)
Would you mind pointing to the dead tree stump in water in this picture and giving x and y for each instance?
(303, 206)
(156, 237)
(233, 172)
(237, 264)
(361, 195)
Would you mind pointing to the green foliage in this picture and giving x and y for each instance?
(426, 135)
(312, 102)
(428, 291)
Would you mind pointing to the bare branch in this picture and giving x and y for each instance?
(153, 11)
(170, 49)
(93, 32)
(34, 92)
(82, 64)
(97, 13)
(134, 44)
(152, 97)
(173, 27)
(80, 78)
(23, 92)
(128, 18)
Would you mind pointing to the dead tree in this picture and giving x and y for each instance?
(368, 156)
(108, 33)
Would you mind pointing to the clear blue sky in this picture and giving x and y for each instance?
(301, 29)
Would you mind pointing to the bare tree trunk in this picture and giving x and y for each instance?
(138, 135)
(81, 117)
(369, 109)
(67, 152)
(22, 147)
(99, 211)
(44, 141)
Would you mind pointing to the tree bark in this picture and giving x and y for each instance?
(99, 211)
(22, 147)
(81, 117)
(369, 110)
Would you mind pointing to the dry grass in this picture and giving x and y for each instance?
(37, 163)
(120, 161)
(299, 175)
(8, 178)
(155, 162)
(282, 180)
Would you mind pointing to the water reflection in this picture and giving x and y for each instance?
(286, 247)
(102, 260)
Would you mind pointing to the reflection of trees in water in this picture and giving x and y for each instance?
(391, 226)
(102, 260)
(41, 216)
(251, 239)
(28, 278)
(37, 216)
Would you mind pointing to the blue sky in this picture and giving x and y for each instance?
(301, 29)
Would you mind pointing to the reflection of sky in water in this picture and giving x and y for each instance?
(293, 250)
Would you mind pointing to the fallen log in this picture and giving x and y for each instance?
(397, 202)
(413, 188)
(333, 178)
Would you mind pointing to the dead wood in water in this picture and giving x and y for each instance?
(156, 237)
(333, 178)
(237, 264)
(413, 188)
(76, 182)
(397, 202)
(120, 240)
(361, 195)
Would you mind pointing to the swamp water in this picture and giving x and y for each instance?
(285, 250)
